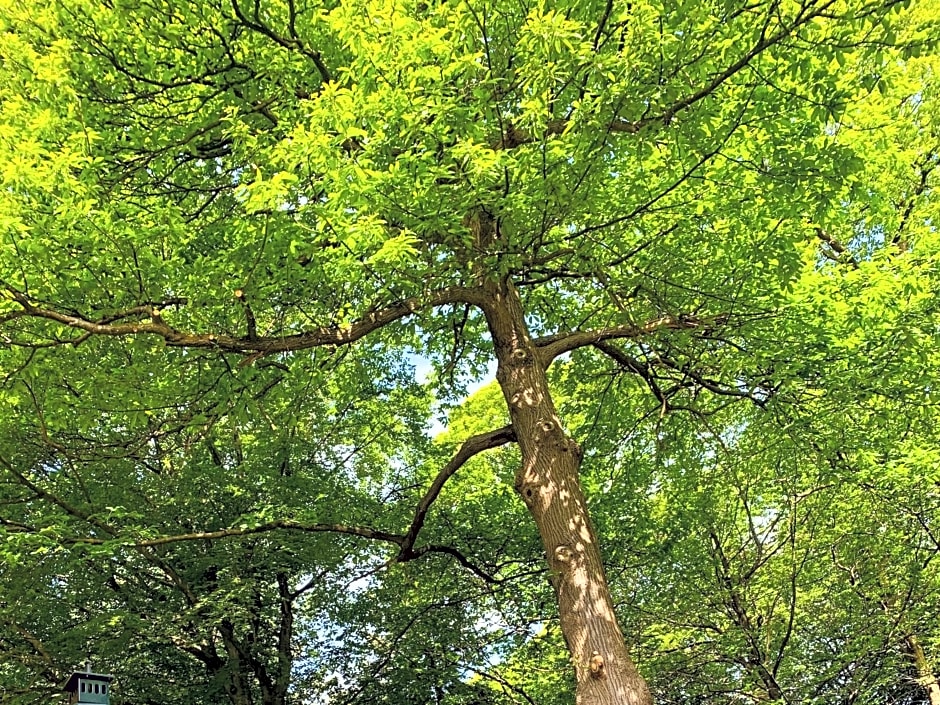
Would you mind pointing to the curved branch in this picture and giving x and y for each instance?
(361, 531)
(44, 494)
(552, 346)
(457, 556)
(471, 447)
(286, 524)
(48, 662)
(318, 337)
(711, 385)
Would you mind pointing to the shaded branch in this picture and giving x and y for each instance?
(362, 531)
(68, 508)
(925, 167)
(637, 367)
(279, 524)
(48, 662)
(608, 8)
(712, 386)
(250, 322)
(471, 447)
(289, 525)
(459, 557)
(737, 609)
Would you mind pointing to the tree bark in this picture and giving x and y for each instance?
(549, 484)
(925, 675)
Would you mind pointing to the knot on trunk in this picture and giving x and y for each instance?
(564, 554)
(520, 355)
(549, 431)
(529, 491)
(597, 665)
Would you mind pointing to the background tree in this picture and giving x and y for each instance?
(245, 195)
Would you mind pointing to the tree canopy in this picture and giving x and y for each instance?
(256, 254)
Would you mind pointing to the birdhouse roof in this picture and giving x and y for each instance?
(72, 683)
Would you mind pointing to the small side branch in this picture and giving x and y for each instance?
(457, 556)
(637, 367)
(471, 447)
(37, 645)
(552, 346)
(69, 509)
(837, 251)
(712, 386)
(689, 377)
(925, 166)
(666, 115)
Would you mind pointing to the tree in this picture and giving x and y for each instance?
(205, 202)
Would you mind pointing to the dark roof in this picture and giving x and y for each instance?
(72, 685)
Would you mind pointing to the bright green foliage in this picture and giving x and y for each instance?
(213, 443)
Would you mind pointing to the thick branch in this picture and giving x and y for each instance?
(280, 524)
(471, 447)
(552, 346)
(325, 335)
(925, 675)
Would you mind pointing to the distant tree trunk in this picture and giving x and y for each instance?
(549, 484)
(925, 675)
(285, 653)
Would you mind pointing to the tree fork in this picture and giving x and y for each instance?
(549, 484)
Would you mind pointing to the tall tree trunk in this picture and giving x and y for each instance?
(549, 484)
(925, 675)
